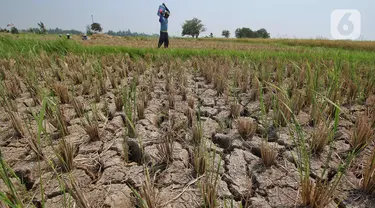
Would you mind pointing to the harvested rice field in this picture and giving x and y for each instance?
(207, 124)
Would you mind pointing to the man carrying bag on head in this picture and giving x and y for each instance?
(163, 14)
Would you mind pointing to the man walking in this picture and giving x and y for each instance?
(164, 28)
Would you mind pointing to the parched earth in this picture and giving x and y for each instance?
(105, 180)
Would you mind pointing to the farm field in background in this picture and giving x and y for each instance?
(212, 43)
(115, 122)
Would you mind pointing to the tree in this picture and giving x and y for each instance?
(225, 33)
(248, 33)
(193, 27)
(42, 28)
(88, 30)
(96, 27)
(129, 33)
(244, 33)
(61, 31)
(14, 30)
(211, 35)
(262, 33)
(4, 30)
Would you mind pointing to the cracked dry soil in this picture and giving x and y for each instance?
(106, 180)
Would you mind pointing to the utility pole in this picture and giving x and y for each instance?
(92, 18)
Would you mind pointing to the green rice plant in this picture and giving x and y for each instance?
(279, 76)
(144, 98)
(282, 115)
(199, 161)
(147, 197)
(320, 193)
(209, 185)
(265, 105)
(197, 133)
(129, 100)
(291, 88)
(190, 114)
(219, 83)
(333, 93)
(312, 84)
(55, 114)
(12, 197)
(264, 74)
(39, 118)
(230, 204)
(101, 78)
(33, 142)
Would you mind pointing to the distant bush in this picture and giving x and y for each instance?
(129, 33)
(225, 33)
(14, 30)
(3, 30)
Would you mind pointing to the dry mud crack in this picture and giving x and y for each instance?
(177, 109)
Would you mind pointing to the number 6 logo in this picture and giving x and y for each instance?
(345, 24)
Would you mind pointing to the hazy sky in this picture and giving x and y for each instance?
(288, 18)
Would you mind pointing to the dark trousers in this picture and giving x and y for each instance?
(163, 39)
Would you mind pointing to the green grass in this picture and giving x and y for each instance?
(10, 48)
(338, 44)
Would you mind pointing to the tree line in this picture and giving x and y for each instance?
(195, 26)
(129, 33)
(90, 29)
